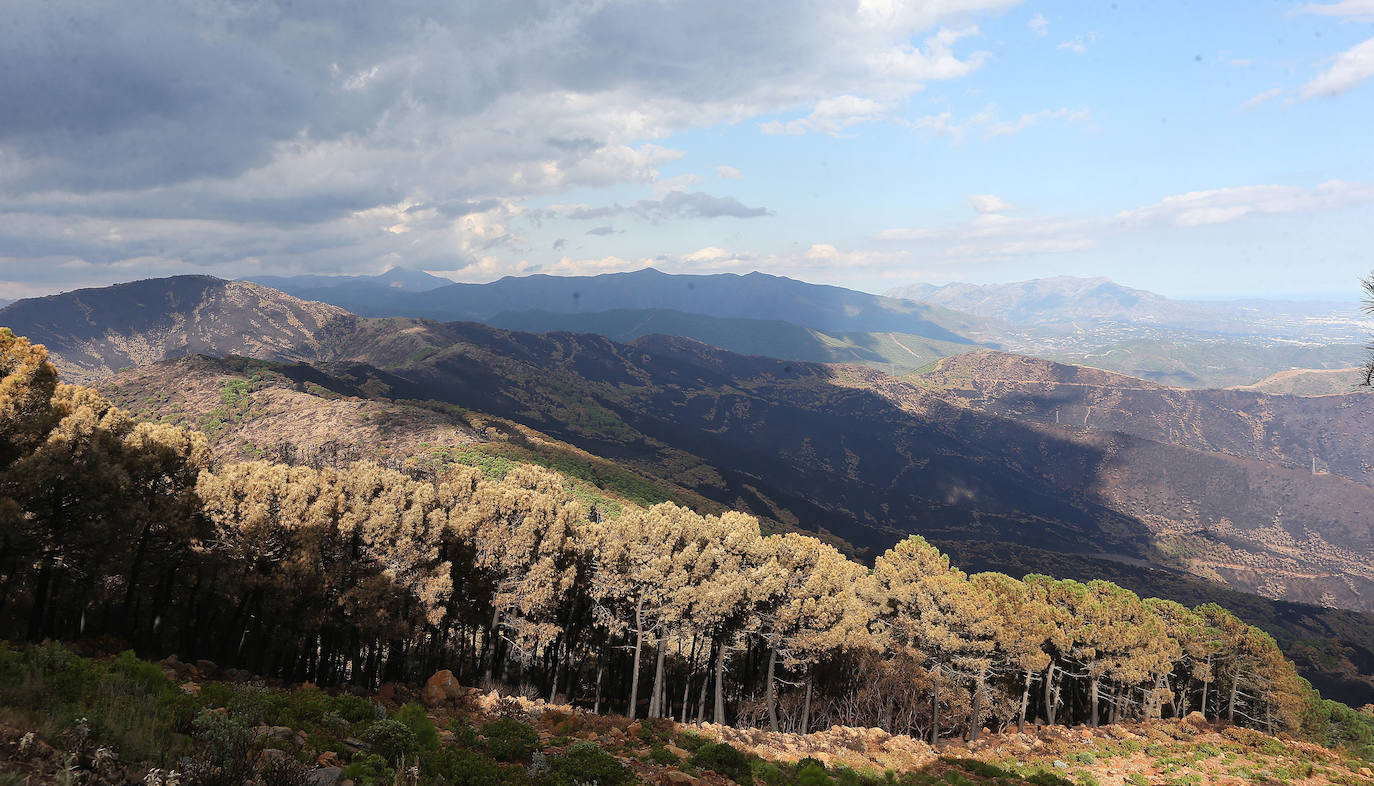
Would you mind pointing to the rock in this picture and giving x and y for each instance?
(1059, 765)
(1195, 718)
(274, 733)
(329, 759)
(1365, 771)
(354, 745)
(440, 688)
(676, 751)
(325, 776)
(678, 778)
(190, 688)
(387, 693)
(238, 675)
(447, 737)
(272, 754)
(207, 667)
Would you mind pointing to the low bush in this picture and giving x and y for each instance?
(391, 739)
(725, 759)
(586, 763)
(415, 719)
(508, 739)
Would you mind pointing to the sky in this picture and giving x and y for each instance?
(1199, 149)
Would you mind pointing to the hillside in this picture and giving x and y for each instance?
(368, 425)
(1285, 430)
(892, 353)
(94, 332)
(1209, 363)
(1311, 382)
(850, 453)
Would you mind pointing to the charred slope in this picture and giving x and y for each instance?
(93, 332)
(1289, 431)
(841, 450)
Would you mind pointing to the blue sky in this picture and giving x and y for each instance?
(1211, 149)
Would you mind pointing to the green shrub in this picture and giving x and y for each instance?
(284, 771)
(465, 768)
(368, 769)
(586, 763)
(771, 774)
(355, 709)
(227, 751)
(661, 755)
(250, 701)
(689, 741)
(812, 773)
(510, 740)
(415, 719)
(391, 740)
(724, 759)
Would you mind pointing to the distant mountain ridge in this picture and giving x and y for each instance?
(893, 353)
(724, 295)
(394, 279)
(1074, 301)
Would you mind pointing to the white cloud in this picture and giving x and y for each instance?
(1079, 44)
(995, 237)
(989, 203)
(1360, 10)
(1039, 25)
(1263, 98)
(1222, 205)
(830, 116)
(1030, 119)
(243, 136)
(727, 172)
(988, 124)
(1347, 70)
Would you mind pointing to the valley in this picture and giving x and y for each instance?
(1206, 486)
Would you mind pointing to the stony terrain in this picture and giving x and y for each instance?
(485, 726)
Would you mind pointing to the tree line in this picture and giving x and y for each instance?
(358, 574)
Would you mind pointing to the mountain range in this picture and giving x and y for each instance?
(1069, 300)
(1264, 494)
(1081, 321)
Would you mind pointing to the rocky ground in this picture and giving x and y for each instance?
(1188, 751)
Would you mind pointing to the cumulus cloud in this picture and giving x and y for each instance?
(1348, 69)
(727, 172)
(988, 203)
(830, 116)
(289, 132)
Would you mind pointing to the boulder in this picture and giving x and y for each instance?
(207, 667)
(676, 751)
(1195, 718)
(325, 776)
(679, 778)
(440, 688)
